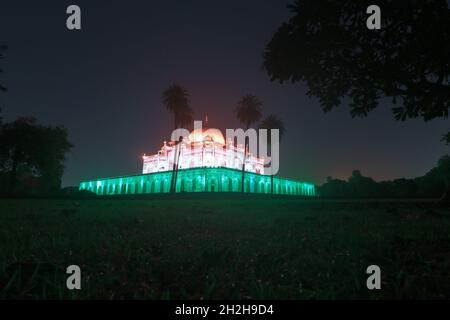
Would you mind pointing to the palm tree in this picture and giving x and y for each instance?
(248, 111)
(176, 100)
(272, 122)
(186, 119)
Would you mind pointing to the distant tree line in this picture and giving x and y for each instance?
(434, 184)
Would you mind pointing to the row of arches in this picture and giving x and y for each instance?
(197, 182)
(156, 186)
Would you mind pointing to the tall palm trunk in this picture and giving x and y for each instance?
(244, 160)
(13, 177)
(174, 167)
(175, 120)
(248, 111)
(177, 165)
(176, 158)
(271, 184)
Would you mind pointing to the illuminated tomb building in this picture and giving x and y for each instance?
(206, 163)
(202, 149)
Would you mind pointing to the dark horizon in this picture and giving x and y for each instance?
(104, 84)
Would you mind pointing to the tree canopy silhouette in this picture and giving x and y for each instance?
(2, 87)
(37, 150)
(326, 45)
(435, 183)
(270, 122)
(176, 100)
(443, 173)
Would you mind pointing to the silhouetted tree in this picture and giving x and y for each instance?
(334, 188)
(248, 111)
(361, 186)
(187, 118)
(430, 185)
(443, 171)
(403, 188)
(186, 121)
(435, 183)
(326, 45)
(272, 122)
(446, 138)
(26, 146)
(2, 87)
(176, 100)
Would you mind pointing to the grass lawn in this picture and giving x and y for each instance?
(223, 248)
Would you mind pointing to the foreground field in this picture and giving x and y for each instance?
(229, 248)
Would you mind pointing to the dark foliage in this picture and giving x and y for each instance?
(446, 138)
(176, 100)
(327, 46)
(2, 87)
(2, 48)
(32, 156)
(434, 184)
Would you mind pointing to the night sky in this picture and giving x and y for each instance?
(104, 84)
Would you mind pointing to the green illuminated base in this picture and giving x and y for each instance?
(197, 180)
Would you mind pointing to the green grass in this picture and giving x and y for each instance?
(229, 248)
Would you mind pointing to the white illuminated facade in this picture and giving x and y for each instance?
(202, 148)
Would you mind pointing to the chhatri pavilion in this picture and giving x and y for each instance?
(206, 163)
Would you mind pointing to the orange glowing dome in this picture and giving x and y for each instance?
(199, 135)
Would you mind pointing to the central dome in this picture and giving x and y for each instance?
(199, 135)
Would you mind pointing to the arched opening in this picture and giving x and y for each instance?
(235, 185)
(213, 185)
(153, 186)
(246, 185)
(225, 184)
(165, 186)
(198, 184)
(130, 188)
(261, 187)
